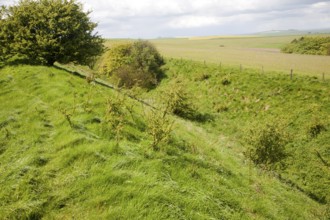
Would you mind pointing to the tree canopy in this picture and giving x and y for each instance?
(45, 31)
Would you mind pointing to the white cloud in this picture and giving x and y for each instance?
(153, 18)
(170, 17)
(193, 21)
(129, 8)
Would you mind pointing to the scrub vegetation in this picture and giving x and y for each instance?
(309, 45)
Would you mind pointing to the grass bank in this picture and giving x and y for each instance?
(60, 157)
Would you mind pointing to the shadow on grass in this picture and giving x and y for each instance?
(195, 116)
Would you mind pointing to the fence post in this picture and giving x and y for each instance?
(291, 74)
(262, 69)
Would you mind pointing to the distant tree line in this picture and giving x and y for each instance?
(309, 45)
(45, 31)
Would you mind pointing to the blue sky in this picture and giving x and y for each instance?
(171, 18)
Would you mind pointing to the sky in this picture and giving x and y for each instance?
(178, 18)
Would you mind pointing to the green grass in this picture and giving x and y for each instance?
(53, 169)
(252, 99)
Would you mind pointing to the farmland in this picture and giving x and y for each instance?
(250, 51)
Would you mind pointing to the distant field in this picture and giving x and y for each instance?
(250, 51)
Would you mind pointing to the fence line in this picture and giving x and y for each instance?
(323, 76)
(85, 75)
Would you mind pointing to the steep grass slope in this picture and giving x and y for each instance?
(241, 100)
(60, 159)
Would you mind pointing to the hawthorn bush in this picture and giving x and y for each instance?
(267, 144)
(45, 31)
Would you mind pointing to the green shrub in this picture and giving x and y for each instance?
(114, 58)
(309, 45)
(268, 143)
(147, 58)
(180, 102)
(133, 64)
(159, 126)
(114, 119)
(128, 77)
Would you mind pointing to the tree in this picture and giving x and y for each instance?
(45, 31)
(133, 63)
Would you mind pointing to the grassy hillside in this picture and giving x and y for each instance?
(238, 101)
(64, 156)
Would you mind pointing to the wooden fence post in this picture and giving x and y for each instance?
(291, 74)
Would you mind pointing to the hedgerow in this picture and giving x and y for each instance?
(309, 45)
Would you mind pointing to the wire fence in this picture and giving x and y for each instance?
(291, 73)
